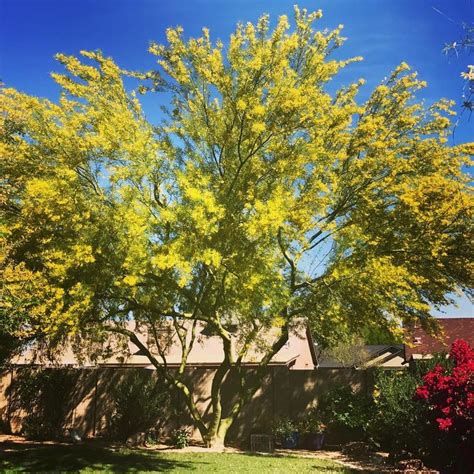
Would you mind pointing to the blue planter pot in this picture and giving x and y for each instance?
(290, 442)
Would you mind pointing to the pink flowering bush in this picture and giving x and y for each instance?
(448, 393)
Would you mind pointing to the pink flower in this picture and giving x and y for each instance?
(422, 392)
(446, 410)
(461, 352)
(444, 423)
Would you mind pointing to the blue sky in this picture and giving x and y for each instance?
(384, 32)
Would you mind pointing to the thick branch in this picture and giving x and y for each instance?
(179, 384)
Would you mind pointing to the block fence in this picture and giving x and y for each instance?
(283, 393)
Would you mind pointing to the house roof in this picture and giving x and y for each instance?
(207, 351)
(422, 345)
(374, 355)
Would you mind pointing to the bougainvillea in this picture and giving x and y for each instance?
(450, 392)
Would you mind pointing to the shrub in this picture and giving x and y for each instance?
(44, 395)
(180, 438)
(285, 428)
(426, 411)
(448, 394)
(399, 424)
(313, 422)
(389, 418)
(140, 399)
(346, 408)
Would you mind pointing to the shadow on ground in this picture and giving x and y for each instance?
(36, 458)
(20, 455)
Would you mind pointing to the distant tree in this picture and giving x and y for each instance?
(349, 353)
(208, 217)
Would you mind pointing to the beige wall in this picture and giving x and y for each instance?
(283, 393)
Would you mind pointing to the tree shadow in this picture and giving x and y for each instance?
(36, 457)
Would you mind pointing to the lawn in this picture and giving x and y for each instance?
(89, 458)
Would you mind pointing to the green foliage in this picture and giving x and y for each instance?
(346, 408)
(391, 418)
(180, 438)
(285, 428)
(379, 335)
(140, 402)
(45, 396)
(312, 422)
(399, 421)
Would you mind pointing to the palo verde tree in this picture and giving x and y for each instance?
(260, 200)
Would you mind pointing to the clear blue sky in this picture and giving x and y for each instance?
(384, 32)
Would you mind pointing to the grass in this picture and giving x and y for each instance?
(92, 458)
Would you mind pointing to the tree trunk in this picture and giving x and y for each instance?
(214, 432)
(214, 441)
(216, 438)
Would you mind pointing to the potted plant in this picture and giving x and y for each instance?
(286, 431)
(313, 428)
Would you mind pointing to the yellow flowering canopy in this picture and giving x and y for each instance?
(260, 198)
